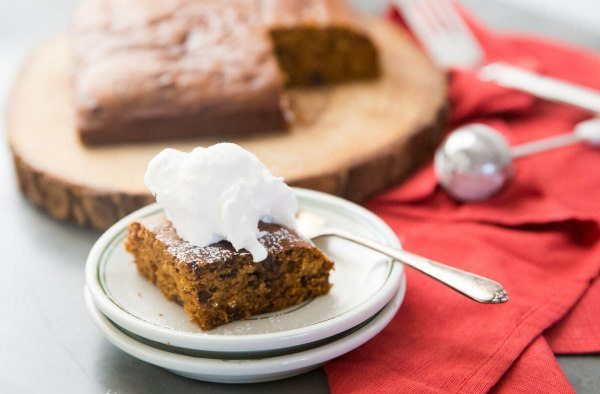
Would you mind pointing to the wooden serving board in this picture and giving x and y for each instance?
(351, 140)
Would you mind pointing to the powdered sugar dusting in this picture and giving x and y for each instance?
(275, 239)
(208, 254)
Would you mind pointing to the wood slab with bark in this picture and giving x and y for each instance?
(352, 140)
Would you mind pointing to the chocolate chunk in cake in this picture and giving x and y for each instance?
(215, 284)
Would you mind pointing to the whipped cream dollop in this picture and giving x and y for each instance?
(220, 193)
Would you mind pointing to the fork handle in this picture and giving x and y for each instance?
(547, 88)
(476, 287)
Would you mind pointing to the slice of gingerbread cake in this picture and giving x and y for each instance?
(226, 247)
(216, 284)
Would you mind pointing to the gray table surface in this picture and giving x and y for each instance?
(48, 344)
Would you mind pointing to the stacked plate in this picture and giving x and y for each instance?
(367, 292)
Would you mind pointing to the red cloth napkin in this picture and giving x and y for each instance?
(539, 237)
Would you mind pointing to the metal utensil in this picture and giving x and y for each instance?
(544, 87)
(475, 160)
(476, 287)
(450, 43)
(587, 132)
(443, 33)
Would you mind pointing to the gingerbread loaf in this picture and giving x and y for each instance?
(172, 69)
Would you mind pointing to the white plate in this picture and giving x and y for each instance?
(250, 370)
(363, 282)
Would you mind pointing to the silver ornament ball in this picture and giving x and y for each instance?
(473, 162)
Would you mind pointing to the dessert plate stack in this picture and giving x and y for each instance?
(133, 314)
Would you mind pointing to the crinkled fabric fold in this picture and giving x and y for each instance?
(539, 237)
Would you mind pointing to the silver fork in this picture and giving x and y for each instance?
(443, 33)
(450, 43)
(476, 287)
